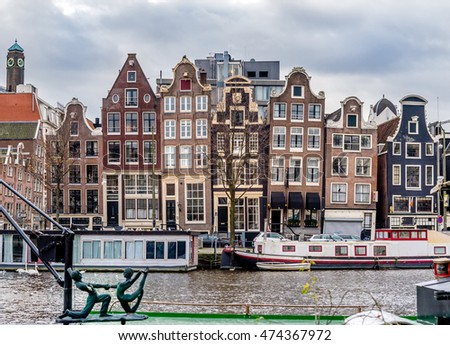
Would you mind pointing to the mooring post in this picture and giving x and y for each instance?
(68, 262)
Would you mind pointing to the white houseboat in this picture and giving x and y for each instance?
(405, 248)
(112, 250)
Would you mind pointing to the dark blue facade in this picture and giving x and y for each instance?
(411, 156)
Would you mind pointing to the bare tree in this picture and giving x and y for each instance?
(240, 142)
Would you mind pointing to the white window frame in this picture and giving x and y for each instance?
(185, 104)
(413, 144)
(309, 112)
(370, 141)
(431, 145)
(300, 118)
(407, 167)
(292, 167)
(369, 194)
(333, 193)
(110, 130)
(279, 133)
(357, 159)
(152, 155)
(427, 168)
(150, 121)
(356, 117)
(196, 202)
(314, 166)
(280, 170)
(409, 127)
(292, 134)
(342, 140)
(131, 116)
(127, 158)
(394, 145)
(131, 80)
(169, 157)
(201, 103)
(170, 103)
(131, 102)
(170, 129)
(399, 175)
(293, 87)
(185, 157)
(201, 129)
(333, 173)
(185, 129)
(201, 156)
(276, 114)
(318, 135)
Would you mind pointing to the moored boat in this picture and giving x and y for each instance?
(283, 266)
(390, 248)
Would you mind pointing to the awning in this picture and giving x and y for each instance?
(295, 201)
(277, 200)
(312, 201)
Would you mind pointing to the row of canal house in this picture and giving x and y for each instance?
(176, 158)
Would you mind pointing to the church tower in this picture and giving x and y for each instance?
(15, 67)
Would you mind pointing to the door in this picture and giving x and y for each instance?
(170, 215)
(275, 224)
(112, 213)
(222, 219)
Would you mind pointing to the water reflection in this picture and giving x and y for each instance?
(39, 299)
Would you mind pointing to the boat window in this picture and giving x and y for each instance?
(341, 250)
(440, 250)
(155, 250)
(112, 249)
(360, 250)
(404, 234)
(379, 250)
(288, 249)
(91, 250)
(316, 249)
(422, 234)
(394, 234)
(176, 250)
(413, 234)
(134, 249)
(259, 248)
(382, 234)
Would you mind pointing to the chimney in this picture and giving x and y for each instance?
(203, 76)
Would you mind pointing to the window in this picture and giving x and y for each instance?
(429, 178)
(379, 250)
(295, 169)
(201, 103)
(401, 204)
(114, 123)
(296, 137)
(253, 143)
(149, 122)
(201, 156)
(149, 154)
(131, 97)
(367, 221)
(279, 137)
(339, 166)
(155, 250)
(314, 112)
(424, 204)
(238, 144)
(195, 202)
(185, 104)
(338, 193)
(185, 129)
(75, 201)
(263, 74)
(352, 120)
(185, 157)
(396, 149)
(396, 173)
(74, 149)
(141, 208)
(91, 249)
(92, 201)
(440, 251)
(55, 202)
(169, 156)
(74, 174)
(112, 250)
(130, 208)
(185, 85)
(413, 127)
(297, 91)
(363, 167)
(131, 122)
(130, 184)
(253, 213)
(338, 140)
(429, 149)
(201, 128)
(279, 110)
(314, 138)
(362, 193)
(131, 151)
(152, 210)
(412, 176)
(91, 173)
(312, 170)
(366, 141)
(169, 104)
(351, 142)
(341, 251)
(113, 152)
(237, 118)
(277, 169)
(315, 249)
(134, 250)
(131, 76)
(360, 250)
(297, 112)
(176, 250)
(74, 128)
(91, 148)
(220, 142)
(169, 129)
(413, 150)
(288, 248)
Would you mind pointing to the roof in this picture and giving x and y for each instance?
(334, 116)
(18, 130)
(387, 129)
(15, 47)
(383, 104)
(18, 107)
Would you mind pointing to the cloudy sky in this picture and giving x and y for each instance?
(74, 48)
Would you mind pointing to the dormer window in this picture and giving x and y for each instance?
(352, 121)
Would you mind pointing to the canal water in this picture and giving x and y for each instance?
(39, 299)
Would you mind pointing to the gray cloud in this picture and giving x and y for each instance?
(74, 48)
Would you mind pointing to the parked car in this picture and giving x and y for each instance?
(270, 236)
(210, 240)
(325, 238)
(349, 237)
